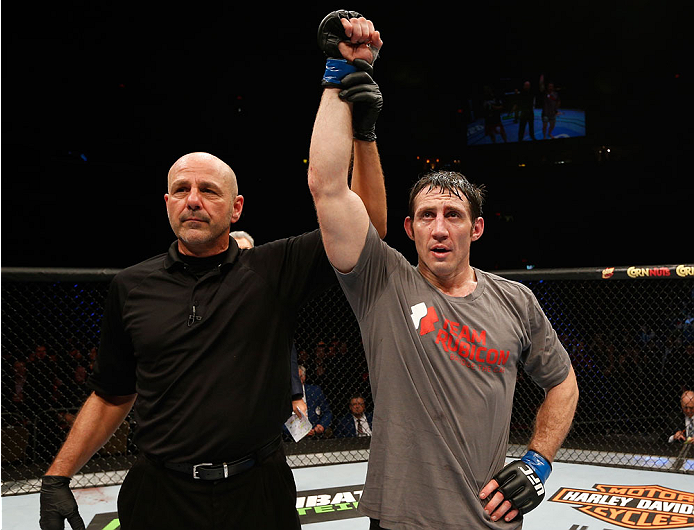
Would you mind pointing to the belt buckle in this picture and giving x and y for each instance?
(195, 469)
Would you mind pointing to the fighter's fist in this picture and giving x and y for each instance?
(363, 41)
(522, 481)
(331, 32)
(349, 42)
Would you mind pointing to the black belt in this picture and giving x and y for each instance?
(209, 471)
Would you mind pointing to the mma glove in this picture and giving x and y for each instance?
(57, 504)
(522, 481)
(361, 90)
(330, 34)
(355, 79)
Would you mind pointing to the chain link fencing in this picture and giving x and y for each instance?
(629, 331)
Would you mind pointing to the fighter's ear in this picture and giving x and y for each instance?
(408, 227)
(477, 228)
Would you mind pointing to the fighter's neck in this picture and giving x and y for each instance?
(462, 283)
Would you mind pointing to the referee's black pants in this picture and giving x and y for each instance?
(155, 498)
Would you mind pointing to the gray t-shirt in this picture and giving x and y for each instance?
(443, 372)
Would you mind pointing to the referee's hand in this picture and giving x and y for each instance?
(58, 504)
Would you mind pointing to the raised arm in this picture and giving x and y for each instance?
(350, 98)
(342, 217)
(368, 183)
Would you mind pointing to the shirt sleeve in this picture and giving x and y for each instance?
(547, 361)
(114, 370)
(297, 267)
(365, 284)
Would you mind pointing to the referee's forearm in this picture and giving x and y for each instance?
(97, 420)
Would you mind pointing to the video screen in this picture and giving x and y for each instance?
(515, 111)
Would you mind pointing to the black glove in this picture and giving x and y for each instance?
(522, 481)
(361, 90)
(58, 504)
(330, 34)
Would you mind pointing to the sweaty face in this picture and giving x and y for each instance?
(201, 204)
(442, 231)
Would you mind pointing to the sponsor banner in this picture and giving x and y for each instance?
(314, 506)
(648, 272)
(329, 504)
(638, 507)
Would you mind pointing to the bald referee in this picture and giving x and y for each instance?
(197, 339)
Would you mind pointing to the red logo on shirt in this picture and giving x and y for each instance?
(426, 325)
(463, 343)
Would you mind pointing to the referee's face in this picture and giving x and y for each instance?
(201, 204)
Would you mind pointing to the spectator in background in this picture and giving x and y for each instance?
(685, 428)
(297, 389)
(77, 388)
(17, 391)
(92, 358)
(44, 372)
(318, 407)
(343, 376)
(320, 363)
(243, 239)
(357, 422)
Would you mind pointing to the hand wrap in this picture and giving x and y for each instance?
(57, 504)
(362, 91)
(522, 481)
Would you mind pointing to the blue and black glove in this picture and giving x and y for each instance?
(355, 79)
(522, 481)
(330, 34)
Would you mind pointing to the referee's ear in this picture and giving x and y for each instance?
(236, 208)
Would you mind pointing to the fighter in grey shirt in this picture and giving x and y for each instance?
(443, 341)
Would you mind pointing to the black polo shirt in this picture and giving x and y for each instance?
(208, 355)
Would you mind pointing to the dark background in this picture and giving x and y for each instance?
(99, 99)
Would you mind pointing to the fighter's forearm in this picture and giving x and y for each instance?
(96, 422)
(554, 417)
(331, 146)
(343, 219)
(369, 184)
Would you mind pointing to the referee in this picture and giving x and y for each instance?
(197, 340)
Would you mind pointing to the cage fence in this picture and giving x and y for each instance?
(629, 332)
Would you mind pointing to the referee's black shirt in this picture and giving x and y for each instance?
(208, 356)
